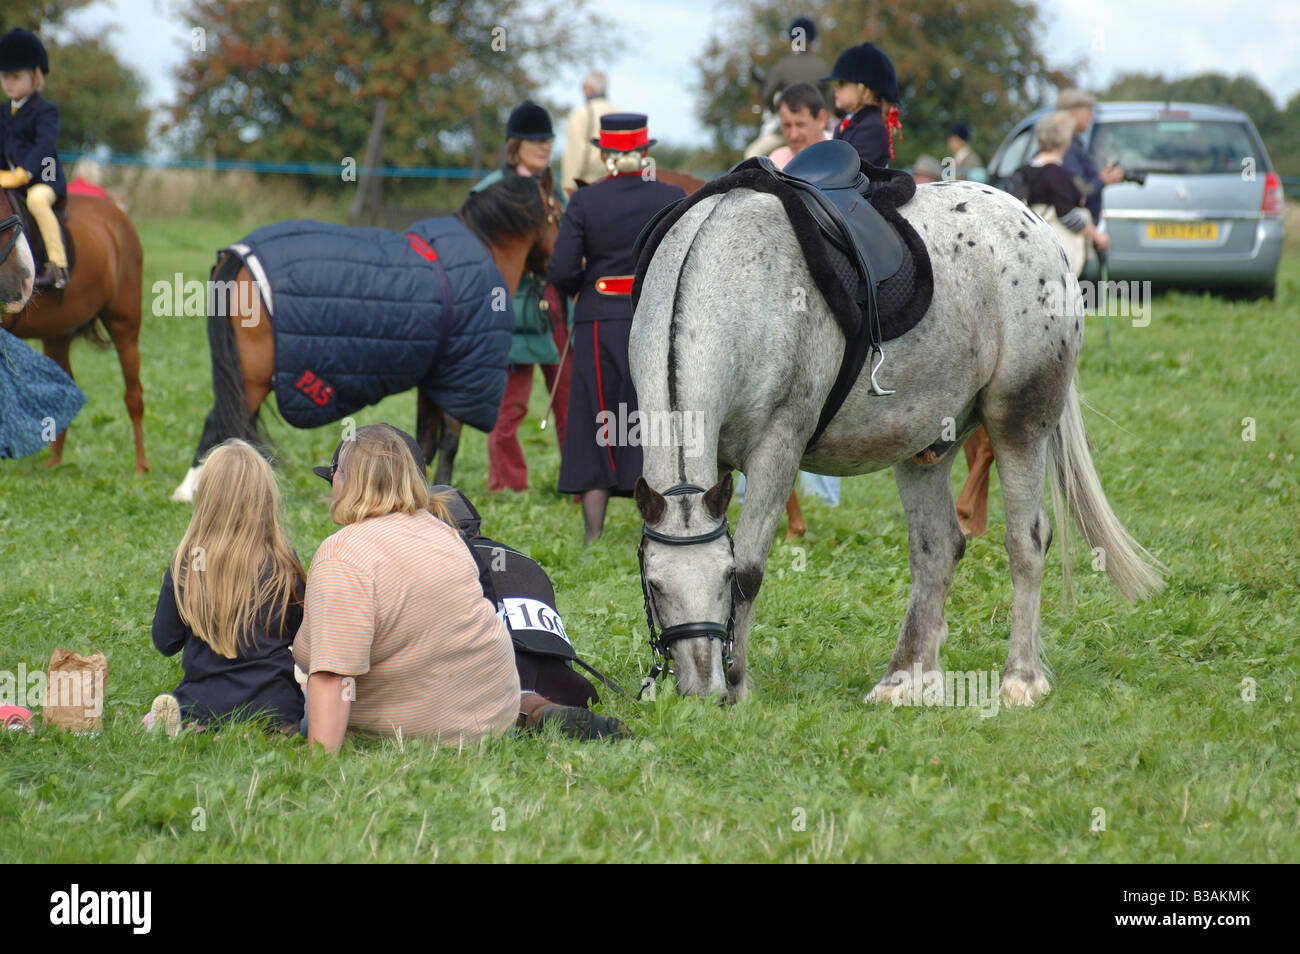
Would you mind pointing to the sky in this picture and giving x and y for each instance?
(654, 75)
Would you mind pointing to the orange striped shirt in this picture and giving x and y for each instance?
(395, 602)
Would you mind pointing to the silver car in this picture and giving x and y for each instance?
(1209, 213)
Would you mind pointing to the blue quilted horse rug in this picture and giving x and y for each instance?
(362, 313)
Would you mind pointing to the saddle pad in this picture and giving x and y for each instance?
(32, 232)
(358, 315)
(901, 300)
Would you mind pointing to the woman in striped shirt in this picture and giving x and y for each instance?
(397, 638)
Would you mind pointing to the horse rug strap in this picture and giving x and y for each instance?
(426, 252)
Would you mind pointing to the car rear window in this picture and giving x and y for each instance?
(1176, 146)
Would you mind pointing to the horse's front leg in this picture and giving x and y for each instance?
(768, 482)
(935, 544)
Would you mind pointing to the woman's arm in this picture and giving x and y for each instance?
(329, 704)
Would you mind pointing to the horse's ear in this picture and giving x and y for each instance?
(649, 501)
(718, 496)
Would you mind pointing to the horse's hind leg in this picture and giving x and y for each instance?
(58, 351)
(935, 543)
(1022, 467)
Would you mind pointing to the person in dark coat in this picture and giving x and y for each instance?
(866, 89)
(29, 140)
(592, 259)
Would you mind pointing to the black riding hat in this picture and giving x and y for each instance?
(961, 131)
(529, 121)
(23, 50)
(809, 28)
(869, 66)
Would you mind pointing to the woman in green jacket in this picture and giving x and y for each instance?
(541, 331)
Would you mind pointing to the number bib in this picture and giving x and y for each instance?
(528, 614)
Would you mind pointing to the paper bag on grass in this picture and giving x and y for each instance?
(74, 693)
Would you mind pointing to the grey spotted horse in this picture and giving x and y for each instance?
(733, 327)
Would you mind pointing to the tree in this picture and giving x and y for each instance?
(100, 99)
(976, 61)
(276, 79)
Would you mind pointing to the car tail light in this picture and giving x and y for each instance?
(1272, 204)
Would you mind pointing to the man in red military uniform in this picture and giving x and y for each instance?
(592, 259)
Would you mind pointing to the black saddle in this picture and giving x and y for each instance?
(31, 232)
(830, 181)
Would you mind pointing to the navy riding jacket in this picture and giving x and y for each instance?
(29, 138)
(865, 132)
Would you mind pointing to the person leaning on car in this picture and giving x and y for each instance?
(1077, 161)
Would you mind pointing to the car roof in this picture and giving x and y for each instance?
(1149, 109)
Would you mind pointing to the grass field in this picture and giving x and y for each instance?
(1171, 733)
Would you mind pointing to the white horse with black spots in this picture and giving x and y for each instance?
(716, 335)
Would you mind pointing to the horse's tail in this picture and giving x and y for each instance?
(229, 417)
(1076, 487)
(94, 334)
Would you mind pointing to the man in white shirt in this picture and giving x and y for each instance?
(581, 159)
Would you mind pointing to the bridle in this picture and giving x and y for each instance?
(661, 642)
(14, 222)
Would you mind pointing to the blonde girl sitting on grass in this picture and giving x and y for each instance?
(232, 599)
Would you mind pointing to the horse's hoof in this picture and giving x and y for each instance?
(1016, 691)
(141, 469)
(184, 493)
(54, 462)
(888, 689)
(795, 533)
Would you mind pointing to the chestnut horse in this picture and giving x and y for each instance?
(243, 345)
(103, 294)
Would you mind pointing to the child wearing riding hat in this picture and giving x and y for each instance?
(866, 89)
(29, 139)
(232, 599)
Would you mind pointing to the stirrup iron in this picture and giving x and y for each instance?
(878, 359)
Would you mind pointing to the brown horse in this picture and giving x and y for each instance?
(103, 294)
(243, 344)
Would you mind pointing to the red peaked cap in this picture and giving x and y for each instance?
(623, 132)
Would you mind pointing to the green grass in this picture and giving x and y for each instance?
(1146, 721)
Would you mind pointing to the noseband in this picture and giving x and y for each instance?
(16, 223)
(661, 643)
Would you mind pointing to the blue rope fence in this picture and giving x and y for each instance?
(336, 168)
(283, 168)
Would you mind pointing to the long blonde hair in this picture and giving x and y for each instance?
(381, 477)
(234, 560)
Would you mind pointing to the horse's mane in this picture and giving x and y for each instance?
(512, 206)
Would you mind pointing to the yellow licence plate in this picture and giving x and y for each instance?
(1183, 231)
